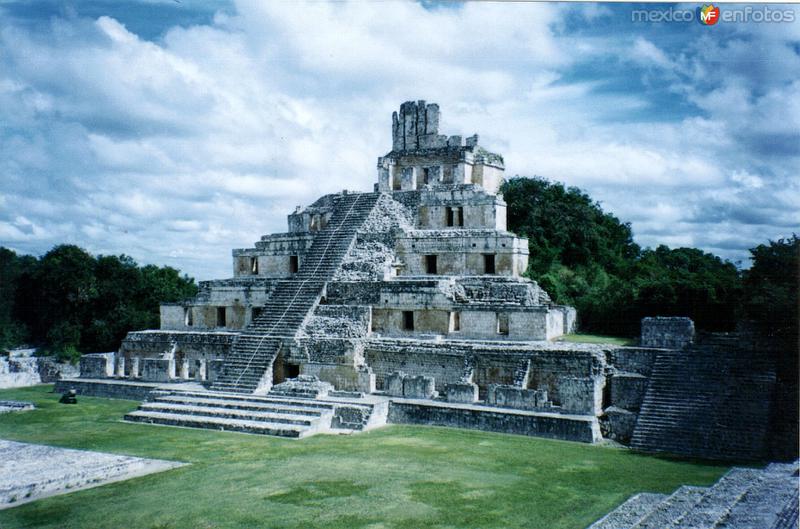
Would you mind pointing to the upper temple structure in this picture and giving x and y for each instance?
(427, 257)
(408, 304)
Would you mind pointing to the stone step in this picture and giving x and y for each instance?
(761, 505)
(673, 507)
(789, 516)
(706, 403)
(718, 500)
(242, 404)
(629, 513)
(743, 498)
(263, 399)
(213, 423)
(229, 413)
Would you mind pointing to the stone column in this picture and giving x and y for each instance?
(135, 367)
(120, 366)
(200, 372)
(185, 369)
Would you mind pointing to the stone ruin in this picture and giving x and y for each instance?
(409, 301)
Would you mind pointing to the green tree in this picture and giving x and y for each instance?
(586, 257)
(688, 282)
(72, 301)
(565, 226)
(12, 266)
(771, 285)
(58, 294)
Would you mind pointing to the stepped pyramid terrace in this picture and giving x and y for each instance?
(407, 304)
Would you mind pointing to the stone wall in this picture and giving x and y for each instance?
(478, 209)
(627, 390)
(581, 395)
(462, 252)
(445, 369)
(20, 370)
(477, 418)
(669, 333)
(238, 296)
(109, 389)
(353, 292)
(633, 359)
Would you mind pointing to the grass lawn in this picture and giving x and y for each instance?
(596, 338)
(394, 477)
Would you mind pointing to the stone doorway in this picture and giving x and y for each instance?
(283, 370)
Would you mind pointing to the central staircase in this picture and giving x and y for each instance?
(710, 400)
(248, 367)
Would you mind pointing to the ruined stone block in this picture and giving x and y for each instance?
(462, 392)
(419, 387)
(504, 396)
(580, 395)
(394, 384)
(98, 365)
(669, 333)
(304, 386)
(366, 380)
(158, 369)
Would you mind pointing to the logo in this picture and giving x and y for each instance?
(708, 15)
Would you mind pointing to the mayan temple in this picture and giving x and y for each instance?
(408, 304)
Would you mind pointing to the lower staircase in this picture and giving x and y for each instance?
(710, 400)
(278, 414)
(281, 417)
(744, 498)
(247, 367)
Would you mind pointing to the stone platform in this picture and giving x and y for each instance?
(29, 472)
(283, 414)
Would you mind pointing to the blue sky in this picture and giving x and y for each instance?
(174, 131)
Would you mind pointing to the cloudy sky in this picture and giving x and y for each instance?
(173, 131)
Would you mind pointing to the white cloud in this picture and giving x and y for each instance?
(176, 150)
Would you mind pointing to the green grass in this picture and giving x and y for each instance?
(394, 477)
(596, 338)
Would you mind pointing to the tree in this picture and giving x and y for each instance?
(771, 285)
(71, 301)
(688, 282)
(586, 257)
(59, 293)
(12, 266)
(564, 226)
